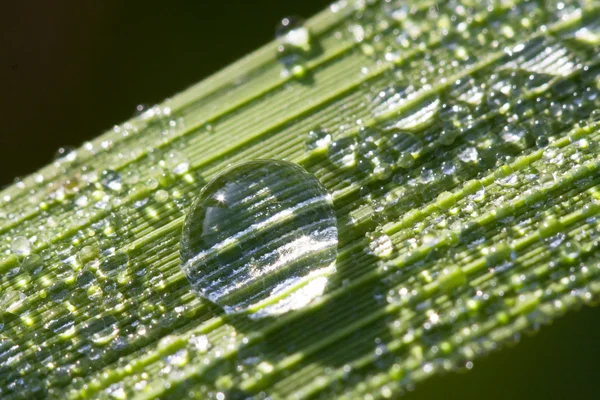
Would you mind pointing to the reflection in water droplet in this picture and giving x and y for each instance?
(261, 237)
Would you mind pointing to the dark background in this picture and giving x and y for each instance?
(71, 69)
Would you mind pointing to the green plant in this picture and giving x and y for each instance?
(459, 143)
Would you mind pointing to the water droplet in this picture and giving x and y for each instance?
(177, 162)
(380, 244)
(419, 118)
(382, 171)
(161, 196)
(179, 358)
(448, 168)
(257, 233)
(114, 264)
(588, 36)
(343, 152)
(318, 140)
(498, 254)
(87, 254)
(569, 252)
(21, 246)
(11, 301)
(291, 31)
(66, 154)
(405, 160)
(32, 263)
(111, 180)
(199, 343)
(469, 155)
(294, 46)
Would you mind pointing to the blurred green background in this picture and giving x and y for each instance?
(71, 69)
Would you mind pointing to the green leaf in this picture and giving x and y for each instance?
(464, 174)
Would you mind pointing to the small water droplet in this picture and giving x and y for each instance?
(405, 160)
(199, 343)
(569, 252)
(87, 254)
(292, 31)
(114, 264)
(380, 244)
(32, 263)
(161, 196)
(111, 180)
(318, 140)
(256, 234)
(11, 300)
(177, 162)
(382, 171)
(343, 152)
(294, 46)
(66, 154)
(469, 155)
(21, 246)
(448, 168)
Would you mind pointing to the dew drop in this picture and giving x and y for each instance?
(405, 160)
(111, 180)
(161, 196)
(177, 162)
(32, 263)
(11, 301)
(292, 31)
(318, 140)
(382, 171)
(420, 118)
(260, 237)
(199, 343)
(380, 245)
(114, 264)
(294, 46)
(469, 155)
(569, 252)
(21, 246)
(66, 154)
(87, 254)
(448, 168)
(343, 152)
(451, 278)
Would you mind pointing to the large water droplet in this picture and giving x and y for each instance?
(260, 237)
